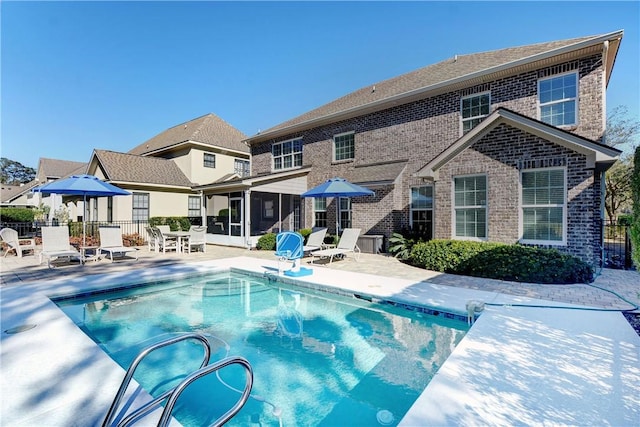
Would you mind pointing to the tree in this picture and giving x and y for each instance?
(15, 173)
(635, 227)
(622, 133)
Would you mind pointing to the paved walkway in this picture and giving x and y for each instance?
(604, 292)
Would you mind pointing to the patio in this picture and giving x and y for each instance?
(517, 365)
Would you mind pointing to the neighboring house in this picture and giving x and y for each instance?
(502, 146)
(161, 172)
(17, 195)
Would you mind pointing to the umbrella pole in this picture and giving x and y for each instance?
(84, 220)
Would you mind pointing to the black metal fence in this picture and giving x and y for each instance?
(617, 245)
(33, 229)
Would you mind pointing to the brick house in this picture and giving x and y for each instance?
(505, 146)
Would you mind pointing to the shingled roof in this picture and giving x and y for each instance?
(56, 169)
(129, 168)
(208, 129)
(10, 192)
(450, 74)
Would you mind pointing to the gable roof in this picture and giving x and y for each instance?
(131, 169)
(9, 193)
(597, 154)
(451, 74)
(56, 169)
(208, 130)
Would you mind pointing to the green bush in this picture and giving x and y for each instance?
(267, 242)
(305, 232)
(446, 255)
(625, 220)
(635, 227)
(16, 214)
(175, 223)
(500, 261)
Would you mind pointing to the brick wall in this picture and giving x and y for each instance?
(420, 130)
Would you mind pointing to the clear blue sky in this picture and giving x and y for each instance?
(110, 75)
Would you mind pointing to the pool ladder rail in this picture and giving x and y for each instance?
(171, 395)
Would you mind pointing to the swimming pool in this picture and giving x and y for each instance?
(318, 358)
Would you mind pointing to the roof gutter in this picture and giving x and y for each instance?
(398, 99)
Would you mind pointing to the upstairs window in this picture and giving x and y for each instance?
(470, 206)
(558, 100)
(287, 154)
(241, 167)
(473, 109)
(209, 160)
(344, 146)
(543, 206)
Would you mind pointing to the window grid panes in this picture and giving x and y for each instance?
(345, 213)
(320, 211)
(344, 146)
(209, 160)
(241, 167)
(473, 110)
(470, 200)
(543, 200)
(422, 210)
(194, 206)
(287, 154)
(140, 207)
(558, 100)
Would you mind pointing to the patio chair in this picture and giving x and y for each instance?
(197, 239)
(111, 243)
(14, 243)
(55, 244)
(152, 239)
(347, 244)
(165, 242)
(315, 241)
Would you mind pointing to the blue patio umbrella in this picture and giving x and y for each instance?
(81, 185)
(337, 187)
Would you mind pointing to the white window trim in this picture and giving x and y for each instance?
(210, 156)
(462, 120)
(563, 242)
(411, 209)
(273, 163)
(333, 147)
(453, 209)
(577, 99)
(340, 210)
(317, 210)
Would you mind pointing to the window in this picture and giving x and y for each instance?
(140, 206)
(209, 160)
(287, 154)
(320, 211)
(241, 167)
(543, 206)
(473, 109)
(345, 212)
(194, 206)
(344, 146)
(557, 97)
(470, 204)
(421, 208)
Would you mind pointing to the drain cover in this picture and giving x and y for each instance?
(18, 329)
(385, 417)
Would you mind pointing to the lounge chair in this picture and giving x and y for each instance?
(111, 243)
(197, 239)
(55, 244)
(165, 242)
(14, 243)
(315, 241)
(347, 244)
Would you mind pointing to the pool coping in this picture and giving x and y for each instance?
(579, 367)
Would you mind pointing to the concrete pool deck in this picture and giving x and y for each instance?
(517, 365)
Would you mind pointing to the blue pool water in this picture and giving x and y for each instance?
(319, 359)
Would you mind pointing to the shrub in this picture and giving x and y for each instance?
(500, 261)
(175, 223)
(133, 240)
(16, 215)
(267, 242)
(305, 232)
(445, 255)
(399, 246)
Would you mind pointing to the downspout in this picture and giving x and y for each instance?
(246, 212)
(203, 208)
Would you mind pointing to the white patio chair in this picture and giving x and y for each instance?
(111, 243)
(14, 243)
(55, 244)
(315, 241)
(347, 244)
(165, 243)
(152, 239)
(197, 239)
